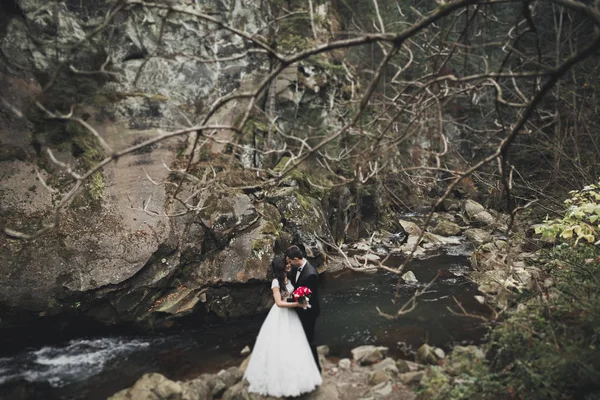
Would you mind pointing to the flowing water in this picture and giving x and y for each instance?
(96, 367)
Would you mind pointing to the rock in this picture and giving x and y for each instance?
(244, 364)
(245, 351)
(304, 217)
(439, 353)
(344, 363)
(472, 208)
(387, 364)
(413, 366)
(323, 350)
(368, 257)
(368, 354)
(362, 247)
(402, 366)
(477, 235)
(151, 386)
(196, 389)
(327, 391)
(480, 299)
(218, 389)
(436, 241)
(379, 376)
(239, 391)
(485, 217)
(426, 355)
(411, 377)
(475, 212)
(409, 245)
(410, 227)
(383, 389)
(225, 379)
(446, 228)
(409, 277)
(451, 204)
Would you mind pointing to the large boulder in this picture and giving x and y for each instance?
(152, 386)
(476, 213)
(305, 220)
(446, 228)
(410, 227)
(368, 354)
(477, 235)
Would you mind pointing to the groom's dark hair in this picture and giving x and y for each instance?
(294, 252)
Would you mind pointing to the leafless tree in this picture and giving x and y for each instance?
(413, 88)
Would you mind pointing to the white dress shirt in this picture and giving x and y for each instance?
(299, 270)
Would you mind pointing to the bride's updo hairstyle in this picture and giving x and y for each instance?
(278, 266)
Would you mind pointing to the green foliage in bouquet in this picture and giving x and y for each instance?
(581, 219)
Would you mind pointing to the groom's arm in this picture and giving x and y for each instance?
(312, 282)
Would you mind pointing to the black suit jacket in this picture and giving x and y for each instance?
(309, 277)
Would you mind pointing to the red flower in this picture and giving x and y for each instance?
(302, 292)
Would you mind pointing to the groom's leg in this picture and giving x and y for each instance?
(309, 328)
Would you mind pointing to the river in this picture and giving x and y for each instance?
(95, 367)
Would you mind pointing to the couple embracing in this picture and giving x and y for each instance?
(284, 361)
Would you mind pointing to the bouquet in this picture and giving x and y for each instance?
(302, 295)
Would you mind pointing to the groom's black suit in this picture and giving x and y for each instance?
(309, 277)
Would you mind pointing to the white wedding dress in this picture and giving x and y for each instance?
(281, 363)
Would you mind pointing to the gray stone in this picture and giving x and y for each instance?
(323, 350)
(426, 355)
(219, 388)
(196, 389)
(151, 387)
(368, 354)
(379, 376)
(472, 208)
(383, 389)
(402, 366)
(480, 299)
(370, 257)
(413, 366)
(239, 391)
(439, 353)
(387, 364)
(477, 235)
(244, 363)
(327, 391)
(226, 379)
(446, 228)
(362, 247)
(409, 277)
(411, 377)
(344, 363)
(410, 227)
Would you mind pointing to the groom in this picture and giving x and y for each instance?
(304, 274)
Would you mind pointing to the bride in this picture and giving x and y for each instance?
(282, 364)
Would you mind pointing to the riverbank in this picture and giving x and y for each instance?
(368, 375)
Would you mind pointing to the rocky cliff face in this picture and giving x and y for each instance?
(124, 249)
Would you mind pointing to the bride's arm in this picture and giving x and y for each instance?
(282, 303)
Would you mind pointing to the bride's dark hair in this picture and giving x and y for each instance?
(278, 266)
